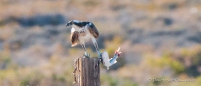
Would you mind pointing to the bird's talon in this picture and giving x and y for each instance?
(86, 55)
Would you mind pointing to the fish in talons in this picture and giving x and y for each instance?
(109, 62)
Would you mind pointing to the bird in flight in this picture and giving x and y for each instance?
(81, 32)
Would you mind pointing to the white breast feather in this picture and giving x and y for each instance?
(85, 38)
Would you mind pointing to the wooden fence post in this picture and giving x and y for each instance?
(87, 72)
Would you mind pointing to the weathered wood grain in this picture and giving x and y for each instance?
(87, 72)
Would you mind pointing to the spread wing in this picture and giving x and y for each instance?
(74, 38)
(93, 30)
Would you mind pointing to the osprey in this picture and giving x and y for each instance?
(81, 32)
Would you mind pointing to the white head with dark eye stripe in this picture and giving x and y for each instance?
(70, 23)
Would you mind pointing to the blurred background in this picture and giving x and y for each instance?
(159, 39)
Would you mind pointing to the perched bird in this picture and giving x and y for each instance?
(81, 32)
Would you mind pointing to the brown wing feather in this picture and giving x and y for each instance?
(93, 30)
(74, 38)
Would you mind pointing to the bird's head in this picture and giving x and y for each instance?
(69, 23)
(72, 22)
(117, 52)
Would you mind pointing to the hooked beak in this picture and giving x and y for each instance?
(68, 24)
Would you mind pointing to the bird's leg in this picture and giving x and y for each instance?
(100, 59)
(85, 52)
(96, 46)
(99, 54)
(98, 51)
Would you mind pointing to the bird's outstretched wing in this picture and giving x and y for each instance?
(74, 38)
(93, 30)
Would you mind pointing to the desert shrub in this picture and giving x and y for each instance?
(128, 82)
(34, 78)
(5, 60)
(109, 80)
(166, 61)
